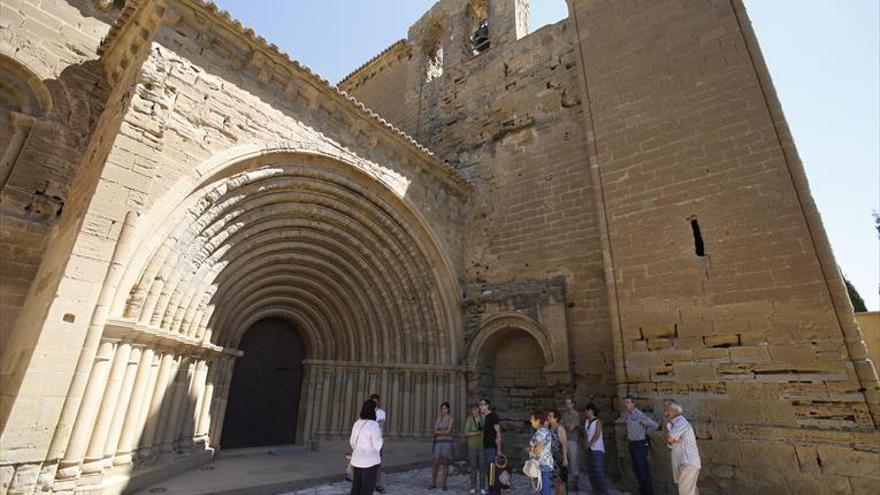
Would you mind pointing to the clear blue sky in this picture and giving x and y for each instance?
(823, 56)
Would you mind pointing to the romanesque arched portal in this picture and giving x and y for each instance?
(343, 260)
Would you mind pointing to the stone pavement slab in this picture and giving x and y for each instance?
(416, 481)
(280, 469)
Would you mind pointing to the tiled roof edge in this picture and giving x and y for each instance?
(397, 44)
(248, 33)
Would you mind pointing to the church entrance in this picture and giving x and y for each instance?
(265, 389)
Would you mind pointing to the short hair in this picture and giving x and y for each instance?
(539, 415)
(573, 402)
(487, 401)
(630, 397)
(374, 397)
(675, 406)
(368, 410)
(592, 407)
(445, 404)
(554, 412)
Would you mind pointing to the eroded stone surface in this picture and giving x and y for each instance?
(610, 205)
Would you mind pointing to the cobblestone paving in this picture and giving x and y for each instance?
(416, 482)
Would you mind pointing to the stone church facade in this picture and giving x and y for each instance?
(613, 204)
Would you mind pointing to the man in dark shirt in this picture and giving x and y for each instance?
(491, 442)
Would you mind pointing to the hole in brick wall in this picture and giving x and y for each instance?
(69, 317)
(699, 247)
(433, 47)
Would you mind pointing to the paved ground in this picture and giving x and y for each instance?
(416, 481)
(265, 471)
(297, 471)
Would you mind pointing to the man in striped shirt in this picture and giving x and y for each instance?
(681, 439)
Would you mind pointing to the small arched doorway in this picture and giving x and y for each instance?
(265, 389)
(510, 367)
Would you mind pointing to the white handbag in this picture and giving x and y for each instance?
(532, 470)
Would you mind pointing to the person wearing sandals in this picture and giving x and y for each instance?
(366, 445)
(442, 447)
(559, 475)
(540, 449)
(473, 433)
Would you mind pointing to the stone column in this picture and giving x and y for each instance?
(65, 442)
(171, 414)
(132, 415)
(203, 423)
(185, 440)
(222, 399)
(95, 452)
(166, 364)
(123, 405)
(308, 399)
(69, 467)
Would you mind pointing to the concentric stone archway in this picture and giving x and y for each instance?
(321, 243)
(325, 244)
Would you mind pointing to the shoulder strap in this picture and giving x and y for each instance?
(358, 437)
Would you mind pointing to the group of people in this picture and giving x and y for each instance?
(555, 445)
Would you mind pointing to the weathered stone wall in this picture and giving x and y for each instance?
(752, 335)
(207, 182)
(228, 154)
(48, 64)
(869, 323)
(509, 118)
(386, 83)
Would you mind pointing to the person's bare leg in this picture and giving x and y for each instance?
(444, 472)
(435, 465)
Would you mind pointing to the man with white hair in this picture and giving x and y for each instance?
(681, 439)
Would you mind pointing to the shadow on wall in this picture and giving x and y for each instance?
(50, 123)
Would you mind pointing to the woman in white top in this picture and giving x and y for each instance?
(366, 443)
(595, 451)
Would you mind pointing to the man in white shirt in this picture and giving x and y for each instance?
(680, 437)
(380, 418)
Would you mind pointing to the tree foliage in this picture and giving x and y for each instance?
(854, 297)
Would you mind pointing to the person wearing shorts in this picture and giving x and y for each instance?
(442, 447)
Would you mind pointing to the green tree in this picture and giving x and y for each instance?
(854, 297)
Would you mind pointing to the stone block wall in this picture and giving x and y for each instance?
(48, 62)
(109, 397)
(727, 295)
(622, 208)
(386, 83)
(510, 119)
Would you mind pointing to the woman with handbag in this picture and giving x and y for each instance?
(442, 447)
(540, 462)
(366, 443)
